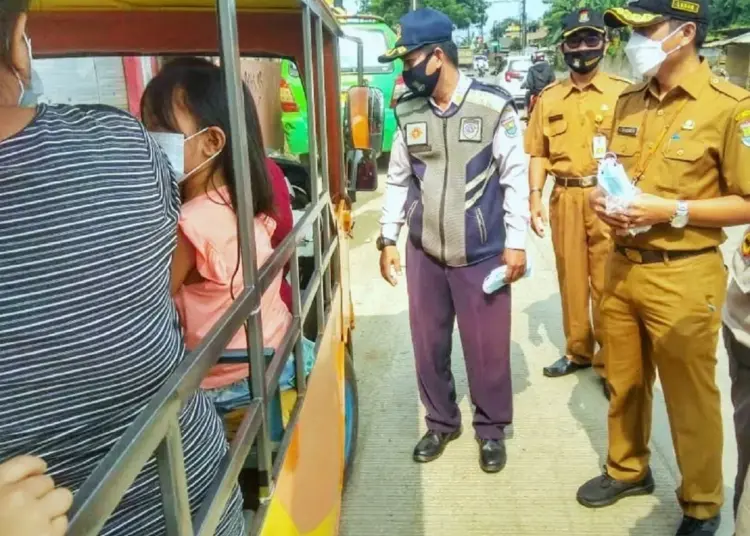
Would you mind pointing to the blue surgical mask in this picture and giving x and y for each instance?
(29, 97)
(173, 145)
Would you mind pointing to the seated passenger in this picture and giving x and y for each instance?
(88, 330)
(187, 99)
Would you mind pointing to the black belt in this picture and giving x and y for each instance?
(576, 182)
(651, 256)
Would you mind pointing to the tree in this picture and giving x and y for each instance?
(463, 13)
(500, 27)
(558, 9)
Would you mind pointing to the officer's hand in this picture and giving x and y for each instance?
(598, 203)
(648, 209)
(515, 262)
(538, 214)
(30, 505)
(390, 261)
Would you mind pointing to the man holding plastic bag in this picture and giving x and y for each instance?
(683, 138)
(566, 138)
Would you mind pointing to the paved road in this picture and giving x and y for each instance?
(557, 441)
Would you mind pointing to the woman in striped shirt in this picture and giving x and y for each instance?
(88, 330)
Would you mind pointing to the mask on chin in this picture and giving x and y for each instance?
(583, 61)
(29, 95)
(418, 81)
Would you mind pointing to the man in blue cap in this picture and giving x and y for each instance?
(458, 178)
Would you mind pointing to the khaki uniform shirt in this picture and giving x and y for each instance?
(565, 121)
(698, 137)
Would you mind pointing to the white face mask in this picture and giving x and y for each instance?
(29, 96)
(647, 55)
(173, 146)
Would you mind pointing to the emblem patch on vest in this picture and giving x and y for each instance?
(510, 126)
(471, 129)
(745, 247)
(416, 134)
(745, 133)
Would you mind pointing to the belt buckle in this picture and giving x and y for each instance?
(586, 182)
(633, 255)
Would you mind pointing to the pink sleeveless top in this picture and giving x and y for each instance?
(211, 227)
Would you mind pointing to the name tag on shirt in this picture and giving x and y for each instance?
(599, 147)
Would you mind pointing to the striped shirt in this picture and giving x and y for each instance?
(88, 330)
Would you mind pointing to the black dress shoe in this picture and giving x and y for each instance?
(492, 456)
(699, 527)
(563, 367)
(605, 490)
(432, 445)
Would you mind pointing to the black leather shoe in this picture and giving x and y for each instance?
(605, 490)
(492, 456)
(699, 527)
(563, 367)
(432, 445)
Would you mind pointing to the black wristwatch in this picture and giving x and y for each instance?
(383, 242)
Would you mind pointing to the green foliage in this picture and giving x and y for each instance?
(463, 13)
(728, 13)
(499, 27)
(558, 9)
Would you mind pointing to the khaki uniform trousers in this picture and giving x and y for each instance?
(666, 316)
(582, 245)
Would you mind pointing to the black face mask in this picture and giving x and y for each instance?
(583, 61)
(418, 81)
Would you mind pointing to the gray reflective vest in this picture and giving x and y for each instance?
(454, 208)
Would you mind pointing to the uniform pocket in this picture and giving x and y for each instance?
(683, 159)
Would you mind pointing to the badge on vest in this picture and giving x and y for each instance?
(471, 129)
(416, 134)
(745, 247)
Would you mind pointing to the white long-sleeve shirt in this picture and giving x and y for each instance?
(513, 166)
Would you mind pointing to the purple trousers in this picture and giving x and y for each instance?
(439, 294)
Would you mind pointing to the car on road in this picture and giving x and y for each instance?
(512, 77)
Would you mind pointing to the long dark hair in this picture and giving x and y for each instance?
(200, 83)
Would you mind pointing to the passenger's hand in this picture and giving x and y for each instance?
(648, 209)
(538, 214)
(515, 262)
(30, 505)
(598, 202)
(390, 261)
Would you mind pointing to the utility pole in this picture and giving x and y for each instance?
(523, 26)
(414, 5)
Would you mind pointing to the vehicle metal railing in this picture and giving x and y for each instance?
(156, 430)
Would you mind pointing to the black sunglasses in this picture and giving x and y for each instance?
(591, 40)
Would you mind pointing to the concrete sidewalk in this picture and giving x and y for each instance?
(557, 442)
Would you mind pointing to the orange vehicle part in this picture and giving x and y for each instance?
(359, 109)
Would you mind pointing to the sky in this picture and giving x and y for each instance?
(534, 10)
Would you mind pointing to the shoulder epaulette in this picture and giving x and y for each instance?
(549, 86)
(729, 89)
(492, 88)
(634, 88)
(620, 79)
